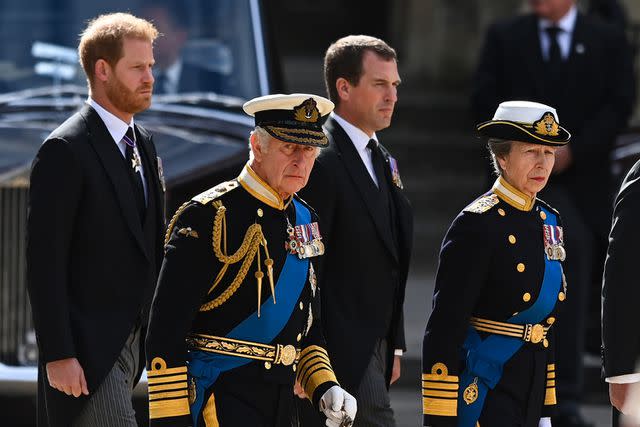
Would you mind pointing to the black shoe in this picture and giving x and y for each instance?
(570, 420)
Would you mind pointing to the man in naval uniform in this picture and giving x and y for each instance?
(234, 321)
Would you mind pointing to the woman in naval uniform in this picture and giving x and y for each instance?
(488, 345)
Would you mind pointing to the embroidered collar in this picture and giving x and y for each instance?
(512, 196)
(259, 189)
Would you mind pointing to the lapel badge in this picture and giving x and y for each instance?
(580, 49)
(161, 175)
(395, 172)
(554, 242)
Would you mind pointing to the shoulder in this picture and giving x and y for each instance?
(306, 205)
(548, 207)
(71, 129)
(482, 204)
(209, 196)
(509, 25)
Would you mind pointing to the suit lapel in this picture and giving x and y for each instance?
(111, 159)
(151, 173)
(367, 189)
(533, 53)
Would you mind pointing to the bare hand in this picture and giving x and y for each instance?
(564, 159)
(67, 376)
(299, 391)
(395, 372)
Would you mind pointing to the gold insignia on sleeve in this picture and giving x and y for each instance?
(189, 232)
(314, 369)
(547, 125)
(168, 394)
(440, 392)
(550, 390)
(483, 204)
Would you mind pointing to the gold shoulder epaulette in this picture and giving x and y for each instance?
(483, 204)
(213, 193)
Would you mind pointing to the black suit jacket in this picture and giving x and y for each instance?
(363, 274)
(620, 290)
(596, 100)
(92, 263)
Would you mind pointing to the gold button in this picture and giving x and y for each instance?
(543, 215)
(301, 306)
(512, 239)
(267, 365)
(294, 367)
(260, 213)
(501, 212)
(520, 267)
(515, 314)
(561, 296)
(550, 320)
(526, 297)
(299, 337)
(545, 343)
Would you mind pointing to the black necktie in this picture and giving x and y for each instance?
(555, 56)
(134, 162)
(378, 163)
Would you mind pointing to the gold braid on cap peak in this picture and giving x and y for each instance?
(247, 251)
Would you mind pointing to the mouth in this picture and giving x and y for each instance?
(538, 179)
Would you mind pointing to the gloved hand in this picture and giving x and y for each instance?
(339, 407)
(545, 422)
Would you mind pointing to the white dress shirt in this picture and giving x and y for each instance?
(117, 129)
(566, 24)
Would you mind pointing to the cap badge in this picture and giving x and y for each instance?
(307, 111)
(547, 125)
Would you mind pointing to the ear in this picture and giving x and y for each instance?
(256, 147)
(102, 70)
(502, 161)
(344, 88)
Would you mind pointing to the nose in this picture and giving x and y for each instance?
(148, 76)
(392, 94)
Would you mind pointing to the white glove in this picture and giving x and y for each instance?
(545, 422)
(339, 407)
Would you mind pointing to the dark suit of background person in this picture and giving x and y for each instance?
(93, 258)
(620, 290)
(593, 91)
(368, 231)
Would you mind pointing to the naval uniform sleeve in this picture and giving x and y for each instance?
(314, 372)
(620, 290)
(462, 271)
(187, 272)
(54, 197)
(550, 401)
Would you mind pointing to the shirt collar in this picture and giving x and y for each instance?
(116, 127)
(566, 23)
(357, 136)
(259, 189)
(512, 196)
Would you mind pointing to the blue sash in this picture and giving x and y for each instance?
(205, 367)
(485, 359)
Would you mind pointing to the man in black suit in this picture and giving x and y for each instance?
(582, 66)
(620, 291)
(172, 72)
(367, 223)
(95, 230)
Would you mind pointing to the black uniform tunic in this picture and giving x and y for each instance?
(491, 267)
(187, 305)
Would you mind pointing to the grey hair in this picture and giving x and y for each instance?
(498, 148)
(262, 139)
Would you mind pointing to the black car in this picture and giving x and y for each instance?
(200, 130)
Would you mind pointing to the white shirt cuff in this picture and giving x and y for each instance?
(624, 379)
(545, 422)
(397, 352)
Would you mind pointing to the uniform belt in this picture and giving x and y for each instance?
(278, 354)
(533, 333)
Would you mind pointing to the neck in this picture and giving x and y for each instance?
(346, 114)
(101, 98)
(556, 15)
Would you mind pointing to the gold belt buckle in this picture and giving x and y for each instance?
(286, 354)
(534, 333)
